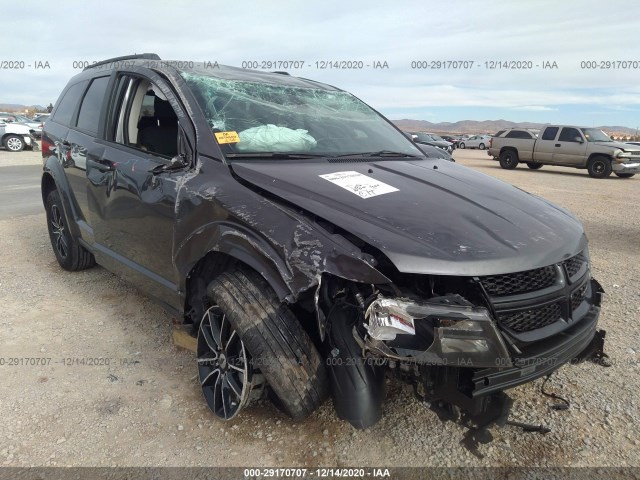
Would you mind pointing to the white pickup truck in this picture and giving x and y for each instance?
(566, 146)
(14, 137)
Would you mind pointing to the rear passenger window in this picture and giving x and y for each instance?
(67, 105)
(519, 134)
(550, 133)
(89, 115)
(569, 135)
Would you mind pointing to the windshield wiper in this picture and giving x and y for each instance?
(379, 153)
(279, 155)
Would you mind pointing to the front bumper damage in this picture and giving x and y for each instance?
(627, 167)
(473, 380)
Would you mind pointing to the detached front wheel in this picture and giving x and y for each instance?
(246, 331)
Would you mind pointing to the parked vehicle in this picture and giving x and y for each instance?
(41, 117)
(476, 141)
(309, 243)
(429, 150)
(567, 146)
(429, 139)
(35, 127)
(453, 140)
(15, 136)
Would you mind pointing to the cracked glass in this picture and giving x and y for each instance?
(281, 118)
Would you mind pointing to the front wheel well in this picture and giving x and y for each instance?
(604, 155)
(47, 185)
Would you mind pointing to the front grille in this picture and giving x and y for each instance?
(578, 296)
(520, 282)
(533, 299)
(531, 319)
(575, 263)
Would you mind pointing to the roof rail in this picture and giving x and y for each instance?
(281, 72)
(140, 56)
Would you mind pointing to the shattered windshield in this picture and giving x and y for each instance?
(251, 117)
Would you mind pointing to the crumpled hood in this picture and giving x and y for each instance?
(437, 217)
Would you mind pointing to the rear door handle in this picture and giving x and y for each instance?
(558, 145)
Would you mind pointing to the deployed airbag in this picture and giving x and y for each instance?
(272, 138)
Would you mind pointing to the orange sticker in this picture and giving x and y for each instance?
(227, 137)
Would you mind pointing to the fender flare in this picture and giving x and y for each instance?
(53, 171)
(239, 243)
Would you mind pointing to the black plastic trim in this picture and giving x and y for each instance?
(542, 358)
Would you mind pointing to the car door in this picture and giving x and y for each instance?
(570, 148)
(545, 145)
(133, 184)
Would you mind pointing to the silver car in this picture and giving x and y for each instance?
(477, 141)
(36, 127)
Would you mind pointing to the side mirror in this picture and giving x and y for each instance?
(579, 139)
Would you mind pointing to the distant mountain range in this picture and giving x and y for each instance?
(13, 107)
(485, 126)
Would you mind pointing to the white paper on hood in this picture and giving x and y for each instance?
(361, 185)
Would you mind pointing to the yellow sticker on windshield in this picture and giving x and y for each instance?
(227, 137)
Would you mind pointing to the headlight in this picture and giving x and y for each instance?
(462, 336)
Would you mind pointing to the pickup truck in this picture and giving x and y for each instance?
(566, 146)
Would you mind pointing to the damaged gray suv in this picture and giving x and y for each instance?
(312, 246)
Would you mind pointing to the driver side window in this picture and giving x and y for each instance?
(569, 135)
(143, 117)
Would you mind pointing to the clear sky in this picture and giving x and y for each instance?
(541, 32)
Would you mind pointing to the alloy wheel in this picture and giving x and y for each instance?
(57, 229)
(224, 368)
(14, 144)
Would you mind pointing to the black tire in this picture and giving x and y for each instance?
(509, 159)
(599, 167)
(70, 254)
(13, 143)
(624, 175)
(462, 146)
(481, 146)
(534, 166)
(274, 338)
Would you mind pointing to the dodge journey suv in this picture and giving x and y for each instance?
(311, 245)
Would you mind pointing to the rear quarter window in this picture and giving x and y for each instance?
(519, 134)
(68, 103)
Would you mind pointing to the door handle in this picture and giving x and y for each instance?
(558, 145)
(101, 166)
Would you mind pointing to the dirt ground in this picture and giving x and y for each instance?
(135, 401)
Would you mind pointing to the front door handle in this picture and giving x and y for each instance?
(104, 166)
(558, 145)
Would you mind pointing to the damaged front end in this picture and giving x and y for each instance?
(453, 340)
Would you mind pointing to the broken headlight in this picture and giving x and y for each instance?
(435, 333)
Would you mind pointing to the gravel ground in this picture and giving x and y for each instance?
(145, 409)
